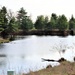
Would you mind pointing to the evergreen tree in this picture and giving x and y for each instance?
(24, 21)
(3, 19)
(53, 21)
(62, 23)
(39, 24)
(21, 15)
(12, 26)
(72, 23)
(46, 20)
(26, 24)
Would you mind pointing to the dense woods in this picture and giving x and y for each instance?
(10, 24)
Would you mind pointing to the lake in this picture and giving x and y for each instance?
(25, 52)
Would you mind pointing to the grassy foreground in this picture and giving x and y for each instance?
(65, 68)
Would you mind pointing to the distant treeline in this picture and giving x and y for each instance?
(10, 24)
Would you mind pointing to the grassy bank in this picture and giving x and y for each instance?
(65, 68)
(3, 40)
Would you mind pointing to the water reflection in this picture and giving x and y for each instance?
(25, 54)
(2, 46)
(2, 61)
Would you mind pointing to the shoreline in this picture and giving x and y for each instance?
(3, 40)
(46, 32)
(65, 68)
(62, 33)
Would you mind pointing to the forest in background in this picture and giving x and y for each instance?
(10, 24)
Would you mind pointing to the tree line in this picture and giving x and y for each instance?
(22, 22)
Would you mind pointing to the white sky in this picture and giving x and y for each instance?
(42, 7)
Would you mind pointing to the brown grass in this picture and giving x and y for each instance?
(3, 40)
(66, 68)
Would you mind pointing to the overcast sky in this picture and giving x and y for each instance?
(42, 7)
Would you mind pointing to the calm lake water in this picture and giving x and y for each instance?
(24, 54)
